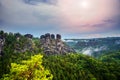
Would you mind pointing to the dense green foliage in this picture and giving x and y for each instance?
(111, 57)
(81, 67)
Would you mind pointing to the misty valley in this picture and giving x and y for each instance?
(95, 46)
(49, 57)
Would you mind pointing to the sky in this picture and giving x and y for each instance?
(70, 18)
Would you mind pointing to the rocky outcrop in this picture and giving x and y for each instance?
(52, 45)
(2, 42)
(24, 44)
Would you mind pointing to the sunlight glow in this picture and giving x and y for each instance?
(84, 4)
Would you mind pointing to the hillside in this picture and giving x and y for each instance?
(83, 67)
(24, 57)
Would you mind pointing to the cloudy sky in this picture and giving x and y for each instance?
(70, 18)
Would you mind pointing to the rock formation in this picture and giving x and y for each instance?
(52, 45)
(17, 35)
(2, 42)
(28, 36)
(27, 43)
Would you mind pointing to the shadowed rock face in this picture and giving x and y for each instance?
(42, 36)
(17, 35)
(52, 36)
(58, 36)
(28, 36)
(54, 46)
(47, 36)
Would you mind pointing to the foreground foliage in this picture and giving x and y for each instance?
(28, 70)
(12, 50)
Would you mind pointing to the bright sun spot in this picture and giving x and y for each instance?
(78, 12)
(84, 4)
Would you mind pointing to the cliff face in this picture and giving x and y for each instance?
(52, 45)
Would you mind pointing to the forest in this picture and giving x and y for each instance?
(24, 59)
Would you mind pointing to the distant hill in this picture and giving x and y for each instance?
(95, 46)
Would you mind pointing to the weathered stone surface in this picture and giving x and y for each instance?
(51, 45)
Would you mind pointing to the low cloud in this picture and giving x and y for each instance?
(91, 50)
